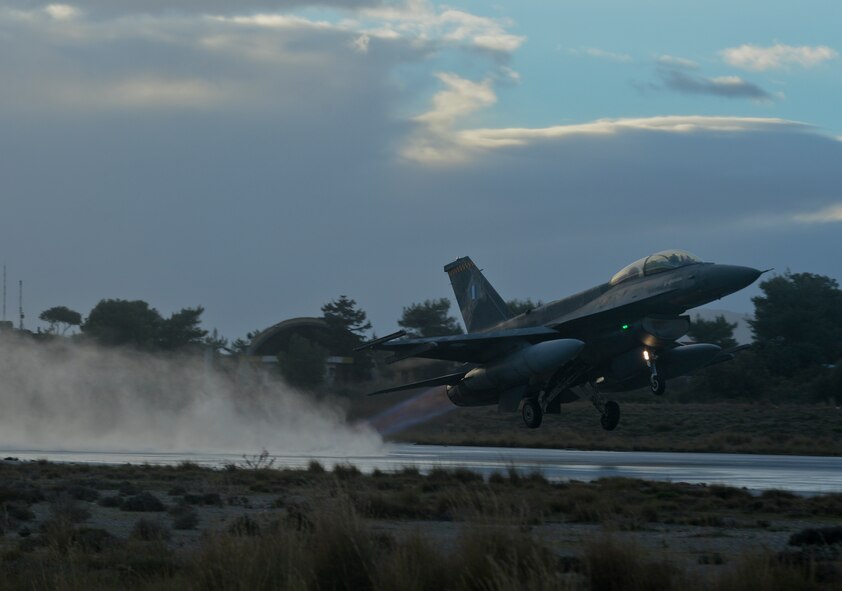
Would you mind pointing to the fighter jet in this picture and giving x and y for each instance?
(618, 336)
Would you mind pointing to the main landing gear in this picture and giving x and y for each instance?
(608, 409)
(532, 413)
(534, 408)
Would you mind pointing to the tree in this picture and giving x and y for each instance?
(346, 324)
(343, 313)
(717, 331)
(181, 329)
(241, 345)
(135, 323)
(429, 319)
(60, 319)
(216, 341)
(123, 322)
(797, 322)
(517, 306)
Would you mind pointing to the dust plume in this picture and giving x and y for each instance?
(63, 395)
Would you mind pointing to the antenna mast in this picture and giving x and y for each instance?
(20, 303)
(4, 291)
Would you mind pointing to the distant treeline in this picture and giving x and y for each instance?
(796, 354)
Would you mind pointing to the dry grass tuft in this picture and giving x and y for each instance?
(615, 566)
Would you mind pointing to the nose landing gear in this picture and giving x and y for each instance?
(656, 383)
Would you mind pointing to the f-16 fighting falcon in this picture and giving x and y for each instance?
(614, 337)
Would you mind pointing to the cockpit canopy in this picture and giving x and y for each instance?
(655, 263)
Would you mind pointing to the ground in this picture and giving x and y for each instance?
(654, 425)
(112, 522)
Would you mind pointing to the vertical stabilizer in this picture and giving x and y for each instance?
(481, 306)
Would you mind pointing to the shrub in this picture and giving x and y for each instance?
(94, 539)
(83, 493)
(24, 492)
(762, 572)
(111, 501)
(148, 530)
(184, 517)
(18, 511)
(622, 566)
(244, 526)
(492, 556)
(346, 471)
(128, 489)
(415, 563)
(58, 534)
(315, 467)
(204, 499)
(823, 536)
(340, 548)
(273, 561)
(143, 502)
(64, 507)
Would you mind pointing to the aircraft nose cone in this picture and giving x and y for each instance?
(731, 278)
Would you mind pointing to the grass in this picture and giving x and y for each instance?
(341, 551)
(342, 529)
(658, 425)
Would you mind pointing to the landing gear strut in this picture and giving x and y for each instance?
(608, 409)
(656, 383)
(610, 416)
(532, 413)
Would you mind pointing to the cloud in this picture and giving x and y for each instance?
(482, 32)
(418, 21)
(756, 58)
(829, 214)
(360, 43)
(146, 92)
(677, 62)
(733, 87)
(441, 136)
(204, 152)
(61, 12)
(679, 124)
(433, 139)
(116, 8)
(595, 52)
(179, 61)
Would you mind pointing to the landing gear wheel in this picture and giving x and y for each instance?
(657, 384)
(610, 416)
(532, 414)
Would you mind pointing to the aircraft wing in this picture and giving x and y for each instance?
(467, 348)
(448, 380)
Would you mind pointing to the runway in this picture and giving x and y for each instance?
(801, 474)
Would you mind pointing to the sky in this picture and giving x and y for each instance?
(260, 158)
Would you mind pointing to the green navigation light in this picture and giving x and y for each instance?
(625, 327)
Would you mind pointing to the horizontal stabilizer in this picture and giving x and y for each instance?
(381, 340)
(448, 380)
(417, 351)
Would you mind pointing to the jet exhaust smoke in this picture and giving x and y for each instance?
(62, 395)
(420, 408)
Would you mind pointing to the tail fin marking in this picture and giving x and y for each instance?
(481, 305)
